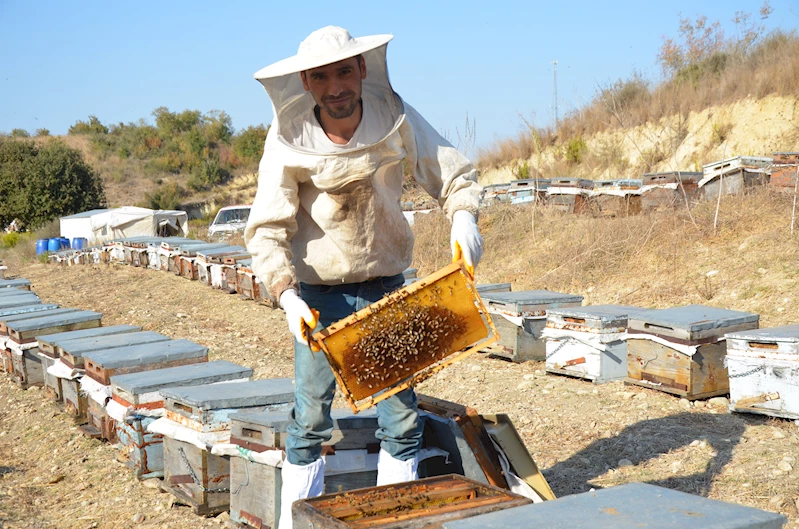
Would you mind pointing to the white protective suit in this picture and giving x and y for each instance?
(327, 218)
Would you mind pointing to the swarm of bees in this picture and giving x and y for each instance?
(399, 340)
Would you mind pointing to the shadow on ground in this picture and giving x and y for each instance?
(648, 440)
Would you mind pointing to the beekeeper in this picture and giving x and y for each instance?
(326, 229)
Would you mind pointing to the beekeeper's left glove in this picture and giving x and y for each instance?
(465, 240)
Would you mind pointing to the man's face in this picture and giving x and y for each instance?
(336, 87)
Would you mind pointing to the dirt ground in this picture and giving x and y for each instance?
(580, 434)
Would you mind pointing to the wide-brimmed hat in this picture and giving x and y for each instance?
(324, 46)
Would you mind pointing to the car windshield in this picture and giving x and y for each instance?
(231, 216)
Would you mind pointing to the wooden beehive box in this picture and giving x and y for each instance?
(72, 350)
(438, 319)
(51, 343)
(18, 298)
(569, 195)
(143, 451)
(520, 318)
(628, 506)
(492, 288)
(588, 342)
(257, 503)
(681, 350)
(188, 267)
(52, 384)
(24, 331)
(247, 284)
(458, 430)
(208, 409)
(425, 503)
(102, 365)
(22, 284)
(763, 366)
(5, 321)
(21, 340)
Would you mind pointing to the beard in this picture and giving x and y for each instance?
(339, 111)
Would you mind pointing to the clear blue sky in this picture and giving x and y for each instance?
(62, 61)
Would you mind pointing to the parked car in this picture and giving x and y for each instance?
(229, 220)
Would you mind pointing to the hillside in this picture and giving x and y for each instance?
(751, 127)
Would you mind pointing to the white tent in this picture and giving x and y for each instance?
(104, 224)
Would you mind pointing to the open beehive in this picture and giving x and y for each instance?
(407, 336)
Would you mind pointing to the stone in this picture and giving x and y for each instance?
(625, 463)
(719, 402)
(778, 434)
(785, 466)
(685, 403)
(138, 518)
(476, 368)
(777, 501)
(628, 394)
(154, 483)
(540, 373)
(529, 376)
(695, 443)
(525, 384)
(677, 466)
(223, 518)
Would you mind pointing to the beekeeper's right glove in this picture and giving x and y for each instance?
(299, 315)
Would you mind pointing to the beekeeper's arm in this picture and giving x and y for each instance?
(270, 228)
(449, 177)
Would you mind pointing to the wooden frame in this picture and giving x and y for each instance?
(428, 370)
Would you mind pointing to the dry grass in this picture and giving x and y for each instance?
(653, 260)
(771, 67)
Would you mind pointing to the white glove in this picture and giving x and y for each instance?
(297, 313)
(465, 239)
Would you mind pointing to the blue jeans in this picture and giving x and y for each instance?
(400, 430)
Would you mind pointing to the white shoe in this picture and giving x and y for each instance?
(299, 482)
(391, 470)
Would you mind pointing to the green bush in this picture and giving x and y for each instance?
(575, 150)
(93, 126)
(168, 196)
(207, 174)
(42, 132)
(20, 133)
(9, 240)
(248, 144)
(41, 183)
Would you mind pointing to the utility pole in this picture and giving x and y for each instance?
(555, 91)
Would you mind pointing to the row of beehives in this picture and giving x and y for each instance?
(211, 433)
(696, 352)
(219, 265)
(654, 191)
(215, 437)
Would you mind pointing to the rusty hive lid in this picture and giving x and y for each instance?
(233, 394)
(134, 355)
(191, 375)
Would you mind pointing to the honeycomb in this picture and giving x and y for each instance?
(400, 338)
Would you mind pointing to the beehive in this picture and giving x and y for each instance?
(406, 337)
(681, 350)
(138, 393)
(520, 318)
(629, 506)
(588, 342)
(22, 284)
(257, 501)
(763, 367)
(425, 503)
(208, 409)
(661, 191)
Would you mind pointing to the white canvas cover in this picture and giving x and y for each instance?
(127, 221)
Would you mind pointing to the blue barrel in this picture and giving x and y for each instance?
(41, 246)
(79, 243)
(53, 245)
(64, 243)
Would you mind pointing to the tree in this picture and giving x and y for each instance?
(249, 143)
(20, 133)
(41, 183)
(93, 126)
